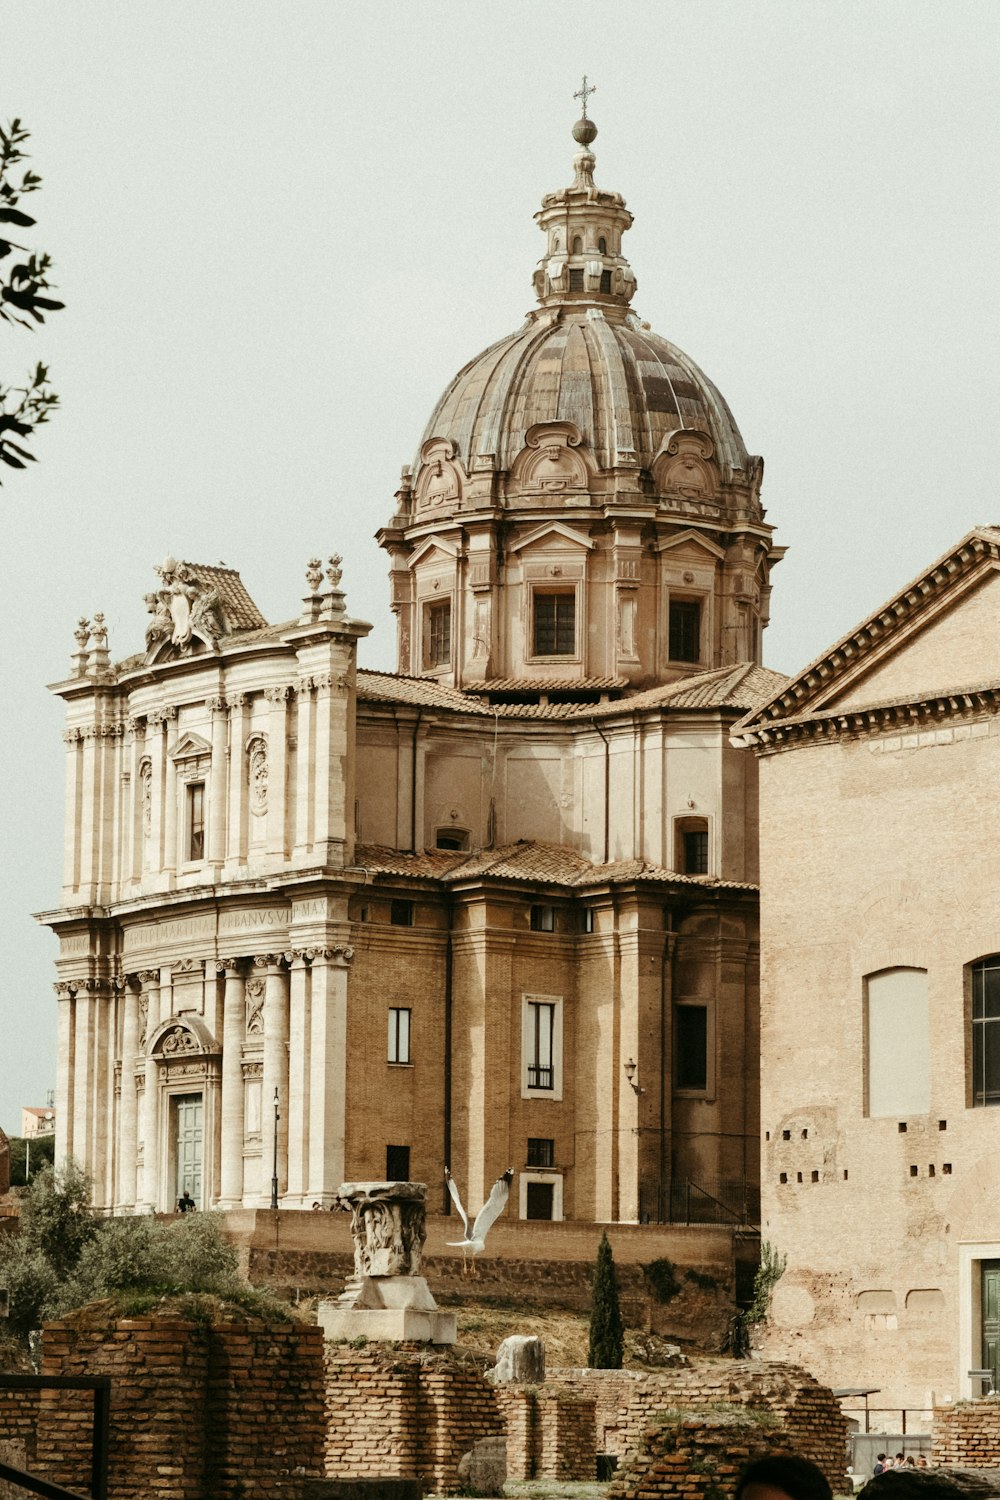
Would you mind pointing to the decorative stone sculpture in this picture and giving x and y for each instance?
(386, 1297)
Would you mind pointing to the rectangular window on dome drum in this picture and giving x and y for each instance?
(555, 624)
(605, 281)
(685, 630)
(439, 634)
(576, 279)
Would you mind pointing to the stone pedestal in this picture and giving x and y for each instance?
(386, 1299)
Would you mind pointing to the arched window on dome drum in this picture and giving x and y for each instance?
(602, 246)
(577, 245)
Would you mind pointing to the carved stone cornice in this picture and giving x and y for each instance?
(323, 681)
(236, 702)
(268, 960)
(918, 714)
(234, 966)
(279, 694)
(188, 966)
(162, 715)
(216, 705)
(252, 1068)
(136, 726)
(66, 988)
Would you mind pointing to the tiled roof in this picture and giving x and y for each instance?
(550, 685)
(240, 611)
(422, 692)
(527, 860)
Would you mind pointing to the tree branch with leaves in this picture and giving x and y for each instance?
(23, 299)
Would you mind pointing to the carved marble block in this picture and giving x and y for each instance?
(386, 1298)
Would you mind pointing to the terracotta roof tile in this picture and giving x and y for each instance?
(527, 860)
(550, 685)
(239, 609)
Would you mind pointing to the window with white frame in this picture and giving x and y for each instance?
(399, 1034)
(437, 633)
(553, 628)
(195, 833)
(541, 1047)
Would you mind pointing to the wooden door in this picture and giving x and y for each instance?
(188, 1145)
(991, 1319)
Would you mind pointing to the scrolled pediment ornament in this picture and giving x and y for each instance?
(183, 608)
(178, 1042)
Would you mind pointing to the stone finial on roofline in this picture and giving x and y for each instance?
(100, 659)
(81, 655)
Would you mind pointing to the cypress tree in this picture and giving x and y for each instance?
(607, 1332)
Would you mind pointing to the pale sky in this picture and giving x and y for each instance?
(281, 226)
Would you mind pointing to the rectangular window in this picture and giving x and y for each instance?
(397, 1163)
(539, 1200)
(605, 281)
(696, 851)
(541, 1152)
(685, 630)
(986, 1032)
(541, 1033)
(399, 1035)
(576, 279)
(692, 1047)
(437, 652)
(555, 623)
(401, 913)
(196, 820)
(543, 919)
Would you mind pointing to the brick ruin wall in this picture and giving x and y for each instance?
(967, 1434)
(551, 1433)
(198, 1410)
(398, 1410)
(696, 1458)
(807, 1411)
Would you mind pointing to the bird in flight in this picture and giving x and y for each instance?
(475, 1238)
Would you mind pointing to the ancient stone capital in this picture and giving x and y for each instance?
(388, 1225)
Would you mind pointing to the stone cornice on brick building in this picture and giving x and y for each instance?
(805, 706)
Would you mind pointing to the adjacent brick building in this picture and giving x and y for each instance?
(880, 1038)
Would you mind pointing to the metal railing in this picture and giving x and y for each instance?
(101, 1387)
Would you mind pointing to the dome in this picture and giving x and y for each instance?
(624, 387)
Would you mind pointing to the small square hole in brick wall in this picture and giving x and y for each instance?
(845, 1174)
(942, 1124)
(805, 1135)
(782, 1176)
(946, 1169)
(914, 1171)
(767, 1135)
(902, 1127)
(815, 1177)
(932, 1170)
(798, 1177)
(786, 1135)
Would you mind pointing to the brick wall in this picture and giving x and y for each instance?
(968, 1434)
(198, 1411)
(695, 1458)
(402, 1410)
(626, 1400)
(551, 1433)
(18, 1421)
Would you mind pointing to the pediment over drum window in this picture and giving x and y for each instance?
(439, 478)
(685, 466)
(433, 549)
(691, 542)
(553, 537)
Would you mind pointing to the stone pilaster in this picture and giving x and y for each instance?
(128, 1121)
(277, 773)
(298, 1075)
(217, 788)
(304, 771)
(65, 1080)
(275, 1079)
(233, 1032)
(150, 981)
(327, 1091)
(237, 831)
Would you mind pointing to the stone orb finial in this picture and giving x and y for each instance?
(584, 131)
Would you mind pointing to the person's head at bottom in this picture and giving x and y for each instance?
(783, 1477)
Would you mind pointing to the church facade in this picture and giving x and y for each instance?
(880, 1011)
(498, 908)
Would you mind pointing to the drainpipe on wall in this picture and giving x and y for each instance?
(449, 910)
(607, 791)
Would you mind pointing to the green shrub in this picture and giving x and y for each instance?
(661, 1278)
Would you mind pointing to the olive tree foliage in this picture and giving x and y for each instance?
(607, 1331)
(23, 300)
(66, 1256)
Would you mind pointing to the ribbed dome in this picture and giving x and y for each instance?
(622, 385)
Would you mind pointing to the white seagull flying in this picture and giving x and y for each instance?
(475, 1238)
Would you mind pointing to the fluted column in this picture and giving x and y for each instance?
(327, 1092)
(128, 1121)
(298, 1076)
(275, 1071)
(233, 1032)
(216, 851)
(71, 842)
(150, 981)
